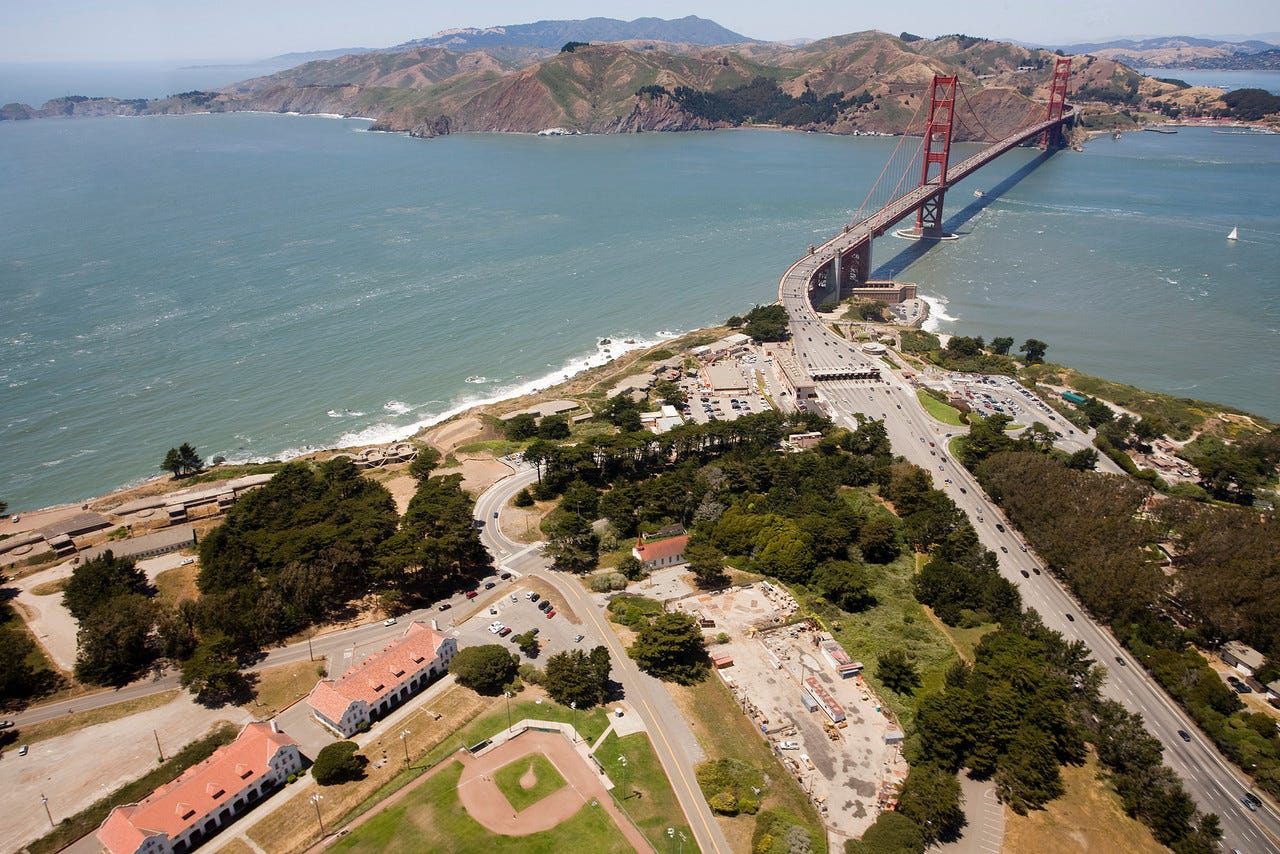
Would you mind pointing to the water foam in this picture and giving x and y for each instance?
(937, 314)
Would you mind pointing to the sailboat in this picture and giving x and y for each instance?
(1235, 234)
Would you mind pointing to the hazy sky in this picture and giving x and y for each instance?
(190, 30)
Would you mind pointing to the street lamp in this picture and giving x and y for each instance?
(574, 705)
(315, 800)
(671, 833)
(622, 760)
(404, 739)
(507, 694)
(45, 801)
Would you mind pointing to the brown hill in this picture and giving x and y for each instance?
(860, 82)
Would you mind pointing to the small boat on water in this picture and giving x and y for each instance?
(1160, 130)
(978, 194)
(1234, 234)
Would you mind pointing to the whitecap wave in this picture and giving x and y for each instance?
(937, 314)
(396, 407)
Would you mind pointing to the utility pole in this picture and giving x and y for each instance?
(315, 800)
(507, 694)
(158, 748)
(622, 760)
(45, 801)
(404, 739)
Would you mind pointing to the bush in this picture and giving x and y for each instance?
(338, 763)
(484, 669)
(724, 803)
(605, 582)
(523, 499)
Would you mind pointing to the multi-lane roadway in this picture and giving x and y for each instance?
(1216, 785)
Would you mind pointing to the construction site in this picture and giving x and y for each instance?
(807, 698)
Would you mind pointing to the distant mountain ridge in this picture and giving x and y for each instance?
(555, 34)
(1182, 52)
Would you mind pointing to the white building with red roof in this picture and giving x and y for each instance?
(660, 553)
(207, 797)
(382, 681)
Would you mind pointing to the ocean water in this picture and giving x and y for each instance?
(261, 285)
(1268, 80)
(33, 83)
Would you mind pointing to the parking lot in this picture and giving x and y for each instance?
(708, 404)
(849, 769)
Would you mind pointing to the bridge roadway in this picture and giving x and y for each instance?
(1213, 782)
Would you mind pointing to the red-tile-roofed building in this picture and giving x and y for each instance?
(178, 816)
(660, 553)
(382, 681)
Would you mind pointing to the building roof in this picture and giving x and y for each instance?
(200, 790)
(1245, 654)
(80, 523)
(176, 537)
(660, 549)
(725, 376)
(379, 674)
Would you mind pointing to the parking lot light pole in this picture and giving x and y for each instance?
(507, 694)
(404, 739)
(45, 801)
(315, 800)
(574, 706)
(622, 760)
(671, 834)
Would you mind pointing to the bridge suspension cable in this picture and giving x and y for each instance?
(902, 164)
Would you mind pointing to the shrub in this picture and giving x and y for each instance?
(724, 803)
(338, 763)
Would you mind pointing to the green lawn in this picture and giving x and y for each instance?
(939, 410)
(643, 790)
(591, 724)
(431, 818)
(546, 780)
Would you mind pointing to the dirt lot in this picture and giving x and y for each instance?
(847, 770)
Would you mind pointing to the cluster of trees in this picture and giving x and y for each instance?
(972, 354)
(1234, 472)
(1250, 105)
(578, 678)
(1029, 704)
(1097, 532)
(338, 763)
(19, 680)
(486, 669)
(763, 323)
(759, 101)
(182, 460)
(671, 647)
(526, 425)
(110, 599)
(962, 583)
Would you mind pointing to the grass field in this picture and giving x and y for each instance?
(964, 640)
(546, 780)
(430, 818)
(276, 688)
(1087, 818)
(292, 826)
(174, 585)
(48, 588)
(655, 808)
(939, 410)
(725, 733)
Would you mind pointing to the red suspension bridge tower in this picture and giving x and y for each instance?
(1052, 137)
(937, 151)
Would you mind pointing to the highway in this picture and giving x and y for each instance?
(672, 740)
(1212, 781)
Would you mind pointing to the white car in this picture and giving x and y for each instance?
(788, 745)
(389, 621)
(495, 627)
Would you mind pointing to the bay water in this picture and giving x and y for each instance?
(262, 285)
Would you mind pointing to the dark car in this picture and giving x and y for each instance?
(1184, 735)
(1003, 549)
(544, 605)
(534, 597)
(445, 606)
(1071, 618)
(488, 585)
(1036, 570)
(1250, 797)
(1026, 574)
(504, 631)
(1120, 661)
(505, 576)
(999, 527)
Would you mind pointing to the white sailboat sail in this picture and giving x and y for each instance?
(1234, 235)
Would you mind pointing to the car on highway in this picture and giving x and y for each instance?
(999, 527)
(1244, 799)
(1036, 570)
(444, 606)
(471, 594)
(1026, 574)
(1120, 661)
(1070, 618)
(389, 621)
(1252, 798)
(1004, 549)
(1184, 735)
(1024, 548)
(964, 491)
